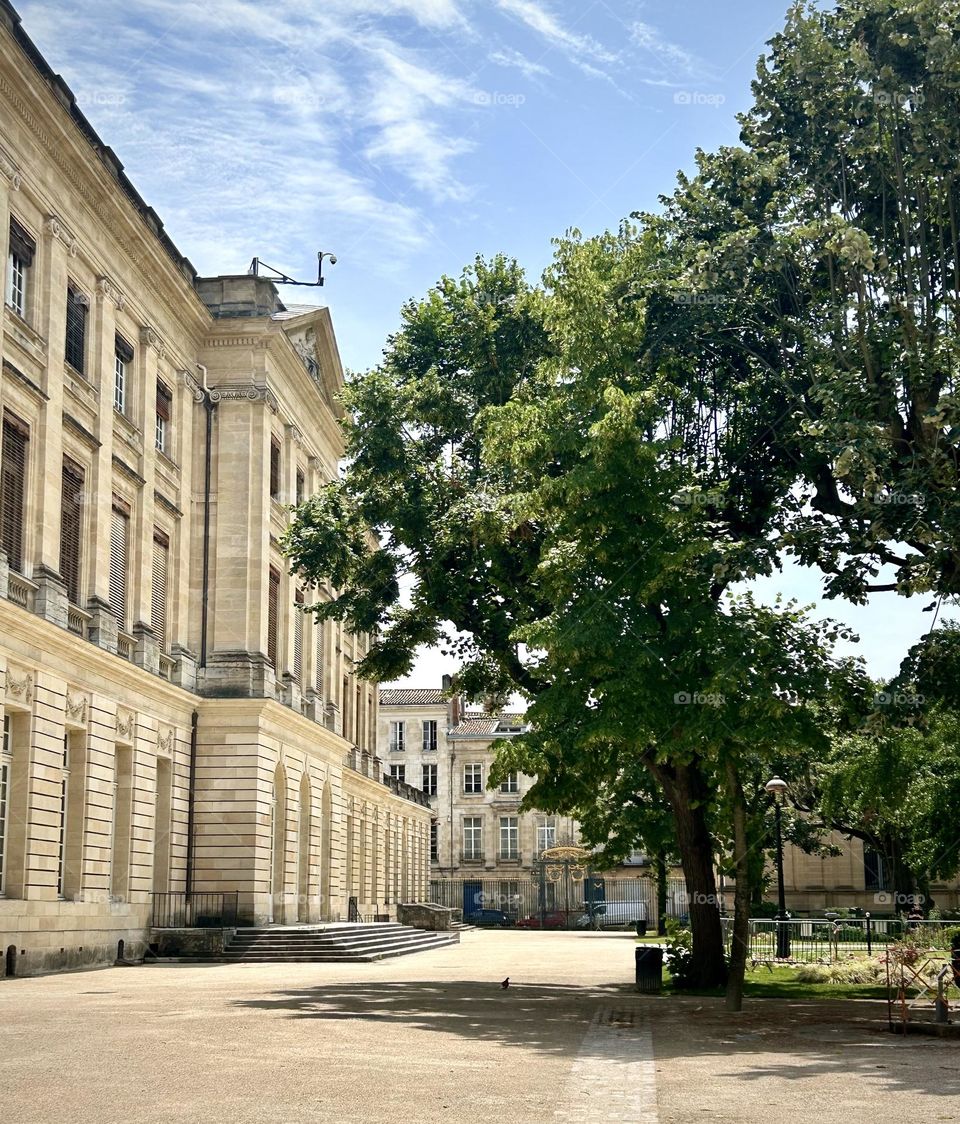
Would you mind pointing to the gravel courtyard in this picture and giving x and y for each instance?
(434, 1037)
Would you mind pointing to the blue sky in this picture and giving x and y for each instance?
(407, 136)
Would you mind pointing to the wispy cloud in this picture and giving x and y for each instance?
(509, 57)
(540, 19)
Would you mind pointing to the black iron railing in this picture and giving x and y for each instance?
(194, 911)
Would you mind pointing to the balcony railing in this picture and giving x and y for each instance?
(21, 591)
(167, 666)
(78, 621)
(126, 646)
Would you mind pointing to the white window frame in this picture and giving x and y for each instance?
(398, 736)
(399, 772)
(429, 735)
(473, 778)
(429, 769)
(16, 294)
(472, 829)
(509, 837)
(546, 834)
(119, 383)
(511, 786)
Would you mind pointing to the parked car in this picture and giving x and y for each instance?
(615, 915)
(489, 918)
(553, 919)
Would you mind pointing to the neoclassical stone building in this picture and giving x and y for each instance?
(172, 721)
(432, 741)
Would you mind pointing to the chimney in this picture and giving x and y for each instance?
(454, 705)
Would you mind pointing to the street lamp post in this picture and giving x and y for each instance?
(777, 787)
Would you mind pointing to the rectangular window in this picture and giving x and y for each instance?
(473, 778)
(511, 785)
(122, 358)
(546, 834)
(430, 737)
(301, 487)
(71, 525)
(13, 486)
(397, 737)
(509, 837)
(62, 841)
(298, 637)
(117, 578)
(273, 616)
(6, 758)
(434, 842)
(473, 837)
(429, 785)
(158, 595)
(398, 772)
(164, 414)
(19, 261)
(275, 469)
(76, 340)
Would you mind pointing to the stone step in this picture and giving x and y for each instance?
(344, 943)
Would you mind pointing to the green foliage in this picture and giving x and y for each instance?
(678, 955)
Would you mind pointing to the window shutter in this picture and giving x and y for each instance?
(71, 524)
(273, 614)
(318, 633)
(164, 402)
(274, 469)
(123, 349)
(298, 638)
(21, 243)
(13, 484)
(75, 350)
(117, 584)
(158, 596)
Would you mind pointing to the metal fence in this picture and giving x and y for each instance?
(194, 911)
(565, 902)
(826, 939)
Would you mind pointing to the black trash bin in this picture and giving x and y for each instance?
(641, 927)
(649, 969)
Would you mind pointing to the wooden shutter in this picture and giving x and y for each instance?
(123, 349)
(75, 350)
(117, 584)
(273, 616)
(298, 638)
(275, 468)
(71, 526)
(21, 243)
(13, 485)
(318, 634)
(164, 402)
(158, 595)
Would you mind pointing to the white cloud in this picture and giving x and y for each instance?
(543, 22)
(674, 62)
(509, 57)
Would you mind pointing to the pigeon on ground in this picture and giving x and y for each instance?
(506, 983)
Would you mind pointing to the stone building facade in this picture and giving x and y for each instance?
(172, 721)
(436, 744)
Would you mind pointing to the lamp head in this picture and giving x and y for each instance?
(777, 787)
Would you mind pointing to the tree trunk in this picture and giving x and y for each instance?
(660, 865)
(689, 797)
(741, 908)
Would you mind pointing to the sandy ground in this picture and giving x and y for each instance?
(433, 1037)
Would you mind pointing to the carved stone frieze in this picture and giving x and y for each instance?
(126, 721)
(9, 170)
(108, 289)
(75, 707)
(19, 688)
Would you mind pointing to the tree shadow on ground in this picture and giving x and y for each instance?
(799, 1041)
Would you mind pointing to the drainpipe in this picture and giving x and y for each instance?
(207, 470)
(191, 801)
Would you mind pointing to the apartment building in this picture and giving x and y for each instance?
(433, 742)
(173, 721)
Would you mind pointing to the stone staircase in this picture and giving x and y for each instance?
(347, 943)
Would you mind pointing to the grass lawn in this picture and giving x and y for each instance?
(782, 983)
